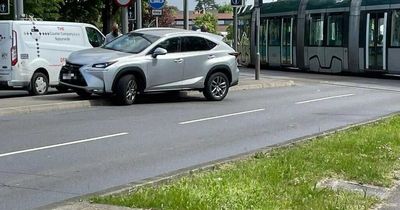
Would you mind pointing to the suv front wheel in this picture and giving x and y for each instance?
(126, 90)
(217, 87)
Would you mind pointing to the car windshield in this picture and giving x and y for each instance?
(131, 43)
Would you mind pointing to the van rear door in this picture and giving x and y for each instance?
(5, 49)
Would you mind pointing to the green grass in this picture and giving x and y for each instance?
(285, 178)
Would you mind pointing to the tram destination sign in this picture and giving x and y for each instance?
(4, 7)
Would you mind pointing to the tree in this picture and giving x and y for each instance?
(229, 29)
(44, 9)
(207, 20)
(168, 17)
(205, 5)
(86, 11)
(225, 8)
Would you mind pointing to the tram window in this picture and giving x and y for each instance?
(274, 32)
(316, 33)
(335, 30)
(395, 29)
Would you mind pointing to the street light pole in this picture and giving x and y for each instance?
(257, 27)
(139, 14)
(124, 19)
(185, 14)
(20, 9)
(16, 9)
(235, 29)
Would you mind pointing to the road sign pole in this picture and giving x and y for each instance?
(139, 14)
(124, 19)
(156, 21)
(186, 14)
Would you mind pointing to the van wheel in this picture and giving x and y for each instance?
(39, 84)
(126, 90)
(217, 87)
(84, 94)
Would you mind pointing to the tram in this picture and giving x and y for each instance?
(330, 36)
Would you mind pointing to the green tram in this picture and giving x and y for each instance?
(324, 35)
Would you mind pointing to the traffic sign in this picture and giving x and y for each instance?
(4, 7)
(156, 12)
(157, 4)
(123, 3)
(237, 3)
(131, 12)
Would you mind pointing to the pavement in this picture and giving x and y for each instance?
(54, 102)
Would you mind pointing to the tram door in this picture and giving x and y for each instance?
(376, 41)
(287, 41)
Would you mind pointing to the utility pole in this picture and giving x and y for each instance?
(185, 14)
(235, 29)
(139, 14)
(124, 20)
(257, 47)
(20, 6)
(16, 9)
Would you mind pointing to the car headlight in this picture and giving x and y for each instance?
(103, 65)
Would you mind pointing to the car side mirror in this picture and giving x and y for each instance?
(159, 51)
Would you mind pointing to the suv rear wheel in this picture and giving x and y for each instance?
(217, 87)
(39, 84)
(126, 90)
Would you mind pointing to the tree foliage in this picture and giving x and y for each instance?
(225, 8)
(207, 20)
(205, 5)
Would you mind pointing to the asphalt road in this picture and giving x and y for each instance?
(49, 157)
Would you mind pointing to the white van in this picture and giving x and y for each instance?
(33, 52)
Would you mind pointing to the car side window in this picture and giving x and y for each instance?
(191, 44)
(95, 38)
(171, 45)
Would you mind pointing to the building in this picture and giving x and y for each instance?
(224, 20)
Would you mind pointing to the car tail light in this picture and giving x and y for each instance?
(14, 49)
(236, 54)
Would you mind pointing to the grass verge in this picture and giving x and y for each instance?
(285, 178)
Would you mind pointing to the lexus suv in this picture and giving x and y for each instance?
(158, 59)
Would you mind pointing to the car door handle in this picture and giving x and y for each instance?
(180, 60)
(211, 56)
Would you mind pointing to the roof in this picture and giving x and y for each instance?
(192, 15)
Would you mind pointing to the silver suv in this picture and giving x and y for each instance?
(158, 59)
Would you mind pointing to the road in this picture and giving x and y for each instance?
(50, 157)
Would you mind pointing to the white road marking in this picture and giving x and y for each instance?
(326, 98)
(63, 144)
(221, 116)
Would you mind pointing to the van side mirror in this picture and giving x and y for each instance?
(159, 51)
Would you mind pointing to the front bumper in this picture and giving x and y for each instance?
(79, 77)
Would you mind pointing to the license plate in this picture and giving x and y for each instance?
(68, 76)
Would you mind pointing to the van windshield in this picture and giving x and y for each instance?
(131, 43)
